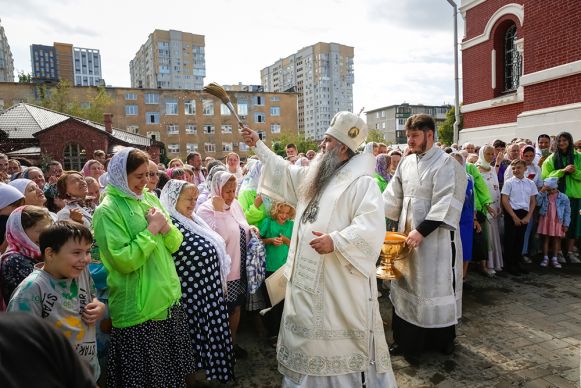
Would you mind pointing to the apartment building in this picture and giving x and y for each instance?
(64, 62)
(322, 75)
(390, 120)
(6, 60)
(185, 120)
(170, 60)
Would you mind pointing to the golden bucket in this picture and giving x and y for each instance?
(394, 248)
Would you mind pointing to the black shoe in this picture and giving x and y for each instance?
(513, 271)
(395, 350)
(449, 348)
(412, 359)
(240, 353)
(522, 270)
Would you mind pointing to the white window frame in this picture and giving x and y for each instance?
(227, 147)
(274, 128)
(151, 98)
(148, 115)
(131, 110)
(191, 147)
(226, 128)
(171, 108)
(173, 129)
(173, 148)
(208, 107)
(209, 129)
(191, 129)
(209, 147)
(275, 110)
(190, 107)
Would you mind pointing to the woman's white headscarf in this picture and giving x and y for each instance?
(481, 162)
(117, 172)
(169, 198)
(20, 184)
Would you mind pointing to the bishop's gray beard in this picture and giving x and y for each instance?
(319, 173)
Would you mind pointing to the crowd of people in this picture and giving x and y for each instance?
(147, 268)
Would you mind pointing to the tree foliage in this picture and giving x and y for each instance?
(446, 129)
(24, 78)
(59, 99)
(280, 141)
(375, 136)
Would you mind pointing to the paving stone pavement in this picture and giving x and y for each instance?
(515, 332)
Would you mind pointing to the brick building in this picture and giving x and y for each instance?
(40, 134)
(185, 120)
(521, 63)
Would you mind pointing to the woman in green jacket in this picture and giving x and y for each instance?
(150, 344)
(565, 164)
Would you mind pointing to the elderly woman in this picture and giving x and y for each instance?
(35, 174)
(150, 344)
(206, 187)
(233, 163)
(485, 165)
(381, 174)
(202, 265)
(93, 168)
(223, 214)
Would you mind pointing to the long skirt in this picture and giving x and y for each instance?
(156, 353)
(494, 244)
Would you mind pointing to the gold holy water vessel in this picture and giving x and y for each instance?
(394, 248)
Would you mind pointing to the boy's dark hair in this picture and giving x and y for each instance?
(518, 161)
(57, 234)
(290, 145)
(498, 143)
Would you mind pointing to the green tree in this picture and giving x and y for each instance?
(59, 99)
(280, 141)
(24, 78)
(376, 136)
(446, 129)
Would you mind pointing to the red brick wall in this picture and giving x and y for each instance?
(476, 64)
(477, 17)
(561, 91)
(54, 140)
(553, 33)
(500, 115)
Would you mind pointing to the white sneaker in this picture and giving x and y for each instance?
(555, 262)
(574, 259)
(526, 259)
(575, 254)
(561, 258)
(545, 261)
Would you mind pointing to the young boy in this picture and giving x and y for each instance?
(518, 197)
(61, 290)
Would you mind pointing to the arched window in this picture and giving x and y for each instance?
(74, 157)
(512, 61)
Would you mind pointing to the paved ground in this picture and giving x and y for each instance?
(515, 332)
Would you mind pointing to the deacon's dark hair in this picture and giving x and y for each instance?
(57, 234)
(420, 122)
(191, 155)
(135, 159)
(290, 145)
(544, 136)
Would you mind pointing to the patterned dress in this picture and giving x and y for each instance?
(198, 268)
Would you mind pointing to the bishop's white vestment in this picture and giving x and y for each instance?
(331, 326)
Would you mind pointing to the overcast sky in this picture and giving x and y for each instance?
(403, 48)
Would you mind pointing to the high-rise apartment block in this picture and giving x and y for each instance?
(6, 61)
(62, 61)
(322, 74)
(170, 60)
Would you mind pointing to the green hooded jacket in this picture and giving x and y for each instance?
(572, 181)
(143, 282)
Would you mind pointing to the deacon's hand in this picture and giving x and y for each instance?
(322, 244)
(250, 137)
(414, 239)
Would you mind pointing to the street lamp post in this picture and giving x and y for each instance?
(456, 78)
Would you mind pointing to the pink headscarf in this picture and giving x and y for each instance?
(87, 167)
(17, 239)
(218, 181)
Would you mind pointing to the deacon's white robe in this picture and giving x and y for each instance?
(429, 294)
(331, 324)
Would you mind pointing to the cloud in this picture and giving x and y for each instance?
(412, 14)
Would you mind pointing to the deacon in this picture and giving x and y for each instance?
(426, 195)
(331, 332)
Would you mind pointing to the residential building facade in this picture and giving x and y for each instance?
(390, 120)
(521, 62)
(87, 66)
(6, 60)
(185, 121)
(63, 62)
(323, 76)
(170, 60)
(44, 64)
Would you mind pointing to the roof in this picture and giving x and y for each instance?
(25, 151)
(23, 121)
